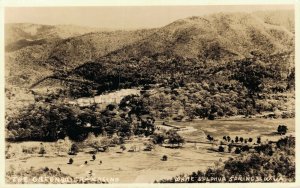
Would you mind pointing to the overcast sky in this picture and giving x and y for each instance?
(120, 17)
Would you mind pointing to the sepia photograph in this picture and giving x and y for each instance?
(149, 94)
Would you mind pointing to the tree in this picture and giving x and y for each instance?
(42, 150)
(164, 158)
(211, 116)
(250, 139)
(210, 138)
(228, 138)
(158, 138)
(258, 141)
(236, 139)
(174, 137)
(251, 73)
(282, 129)
(73, 150)
(70, 161)
(241, 139)
(221, 149)
(245, 148)
(237, 151)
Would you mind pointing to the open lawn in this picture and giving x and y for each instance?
(253, 127)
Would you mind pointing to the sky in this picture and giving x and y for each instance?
(126, 17)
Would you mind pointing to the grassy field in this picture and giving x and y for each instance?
(147, 166)
(254, 127)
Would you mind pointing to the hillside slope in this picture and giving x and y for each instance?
(214, 37)
(19, 35)
(191, 47)
(30, 58)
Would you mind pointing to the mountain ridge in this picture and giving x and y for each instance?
(216, 37)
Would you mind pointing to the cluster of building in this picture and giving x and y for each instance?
(105, 99)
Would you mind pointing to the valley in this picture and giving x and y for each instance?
(202, 96)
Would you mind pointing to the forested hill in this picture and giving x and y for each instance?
(34, 52)
(214, 37)
(191, 50)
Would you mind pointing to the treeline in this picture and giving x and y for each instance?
(47, 121)
(279, 165)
